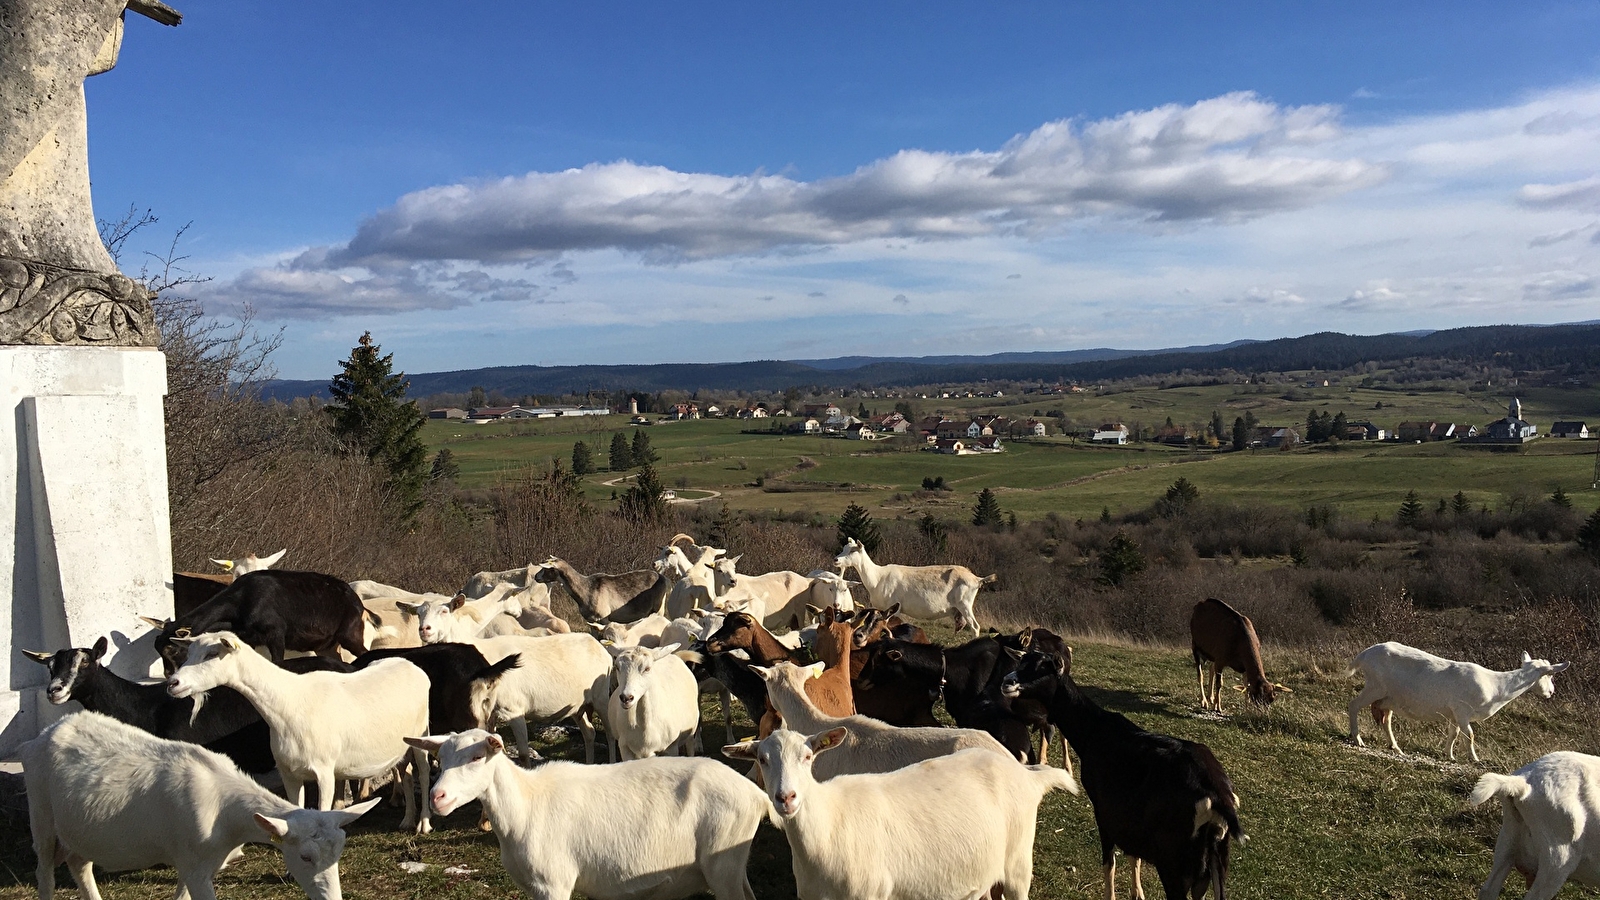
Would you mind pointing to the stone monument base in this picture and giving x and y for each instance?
(83, 505)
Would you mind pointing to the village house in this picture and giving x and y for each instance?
(1111, 433)
(1579, 430)
(806, 426)
(890, 423)
(988, 444)
(1364, 431)
(952, 446)
(1035, 428)
(753, 412)
(821, 411)
(976, 429)
(859, 431)
(1273, 437)
(497, 413)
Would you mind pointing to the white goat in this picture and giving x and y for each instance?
(102, 792)
(923, 592)
(893, 834)
(482, 583)
(644, 633)
(777, 599)
(693, 580)
(1547, 807)
(459, 619)
(656, 704)
(655, 828)
(395, 614)
(250, 562)
(323, 726)
(372, 590)
(561, 676)
(1423, 686)
(871, 745)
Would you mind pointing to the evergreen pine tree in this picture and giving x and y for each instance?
(370, 415)
(1120, 560)
(723, 530)
(1410, 508)
(1179, 497)
(1459, 504)
(1241, 434)
(1589, 535)
(861, 410)
(1560, 498)
(1341, 424)
(643, 455)
(445, 467)
(1219, 428)
(987, 510)
(1105, 514)
(643, 500)
(582, 459)
(855, 523)
(621, 455)
(935, 531)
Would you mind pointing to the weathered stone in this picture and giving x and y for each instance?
(58, 285)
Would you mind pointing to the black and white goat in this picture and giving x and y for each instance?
(1159, 799)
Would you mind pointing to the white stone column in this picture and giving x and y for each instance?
(83, 504)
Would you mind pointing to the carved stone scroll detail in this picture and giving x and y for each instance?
(46, 304)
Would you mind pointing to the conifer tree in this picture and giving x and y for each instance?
(1410, 508)
(1459, 504)
(371, 416)
(582, 459)
(643, 501)
(856, 523)
(1560, 498)
(1589, 535)
(723, 532)
(987, 510)
(1120, 560)
(642, 454)
(445, 467)
(621, 455)
(1241, 434)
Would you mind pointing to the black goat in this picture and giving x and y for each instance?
(734, 674)
(901, 680)
(1160, 799)
(451, 670)
(227, 723)
(280, 610)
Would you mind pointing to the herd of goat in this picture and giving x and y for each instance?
(338, 685)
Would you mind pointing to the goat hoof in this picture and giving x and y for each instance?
(425, 828)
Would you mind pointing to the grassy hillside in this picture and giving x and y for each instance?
(1055, 475)
(1325, 819)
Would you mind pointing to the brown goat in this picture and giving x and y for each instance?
(741, 631)
(1226, 638)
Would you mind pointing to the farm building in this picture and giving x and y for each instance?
(1365, 431)
(448, 412)
(1111, 433)
(1273, 437)
(1579, 430)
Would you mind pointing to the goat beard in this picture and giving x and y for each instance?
(199, 701)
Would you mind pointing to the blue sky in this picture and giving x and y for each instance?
(539, 183)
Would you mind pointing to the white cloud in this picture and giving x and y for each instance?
(1581, 194)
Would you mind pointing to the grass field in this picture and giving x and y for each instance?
(823, 475)
(1325, 819)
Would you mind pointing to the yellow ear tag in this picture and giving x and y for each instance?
(276, 838)
(816, 673)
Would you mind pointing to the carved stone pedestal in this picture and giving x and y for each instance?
(83, 504)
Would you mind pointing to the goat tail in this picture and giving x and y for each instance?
(989, 579)
(1055, 779)
(495, 670)
(691, 656)
(1491, 785)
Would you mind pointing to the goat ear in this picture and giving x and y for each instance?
(343, 817)
(273, 559)
(39, 656)
(664, 652)
(429, 743)
(100, 647)
(495, 743)
(1012, 652)
(1526, 657)
(183, 632)
(1025, 637)
(1061, 662)
(276, 829)
(764, 671)
(226, 564)
(158, 624)
(741, 750)
(1282, 687)
(414, 608)
(893, 610)
(815, 670)
(1558, 667)
(458, 601)
(827, 740)
(895, 655)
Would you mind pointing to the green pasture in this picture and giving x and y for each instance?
(1325, 819)
(824, 474)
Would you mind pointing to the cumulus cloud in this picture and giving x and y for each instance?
(902, 299)
(1230, 157)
